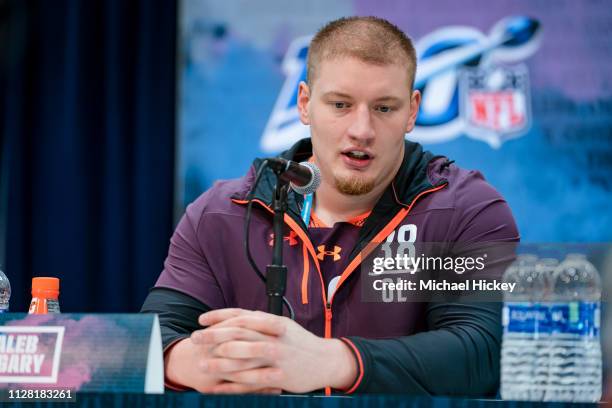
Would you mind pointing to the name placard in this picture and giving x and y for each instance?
(81, 352)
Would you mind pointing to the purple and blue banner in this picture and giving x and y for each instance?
(71, 353)
(518, 90)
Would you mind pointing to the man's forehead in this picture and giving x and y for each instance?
(351, 77)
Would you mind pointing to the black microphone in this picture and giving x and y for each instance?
(304, 177)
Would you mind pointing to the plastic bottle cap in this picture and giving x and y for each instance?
(47, 287)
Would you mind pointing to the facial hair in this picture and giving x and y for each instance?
(354, 186)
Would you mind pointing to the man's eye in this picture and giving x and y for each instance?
(340, 105)
(385, 109)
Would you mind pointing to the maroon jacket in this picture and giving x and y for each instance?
(434, 348)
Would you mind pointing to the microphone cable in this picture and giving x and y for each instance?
(247, 228)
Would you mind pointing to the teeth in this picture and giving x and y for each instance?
(358, 155)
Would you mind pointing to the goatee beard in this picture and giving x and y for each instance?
(354, 186)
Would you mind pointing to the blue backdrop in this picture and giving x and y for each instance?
(531, 107)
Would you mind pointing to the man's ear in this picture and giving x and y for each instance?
(303, 100)
(415, 102)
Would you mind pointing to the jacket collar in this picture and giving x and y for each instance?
(411, 179)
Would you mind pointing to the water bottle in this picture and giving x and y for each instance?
(575, 372)
(5, 292)
(45, 295)
(518, 345)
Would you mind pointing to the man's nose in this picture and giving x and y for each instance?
(361, 129)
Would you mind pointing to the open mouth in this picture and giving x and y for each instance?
(357, 159)
(357, 155)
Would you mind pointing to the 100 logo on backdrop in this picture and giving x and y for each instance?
(472, 84)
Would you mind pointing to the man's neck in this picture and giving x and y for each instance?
(331, 206)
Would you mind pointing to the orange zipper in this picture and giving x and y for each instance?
(328, 320)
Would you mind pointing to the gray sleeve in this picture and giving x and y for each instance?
(178, 313)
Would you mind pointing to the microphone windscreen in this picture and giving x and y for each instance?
(315, 181)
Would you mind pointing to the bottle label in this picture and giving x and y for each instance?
(525, 317)
(38, 306)
(578, 318)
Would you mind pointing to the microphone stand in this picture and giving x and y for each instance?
(276, 273)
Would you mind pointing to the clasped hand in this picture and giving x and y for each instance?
(255, 352)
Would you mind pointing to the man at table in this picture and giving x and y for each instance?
(359, 102)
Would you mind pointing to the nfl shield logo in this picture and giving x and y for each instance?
(495, 103)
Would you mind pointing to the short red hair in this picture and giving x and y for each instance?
(369, 39)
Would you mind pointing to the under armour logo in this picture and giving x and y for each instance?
(291, 238)
(335, 253)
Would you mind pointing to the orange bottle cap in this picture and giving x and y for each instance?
(45, 287)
